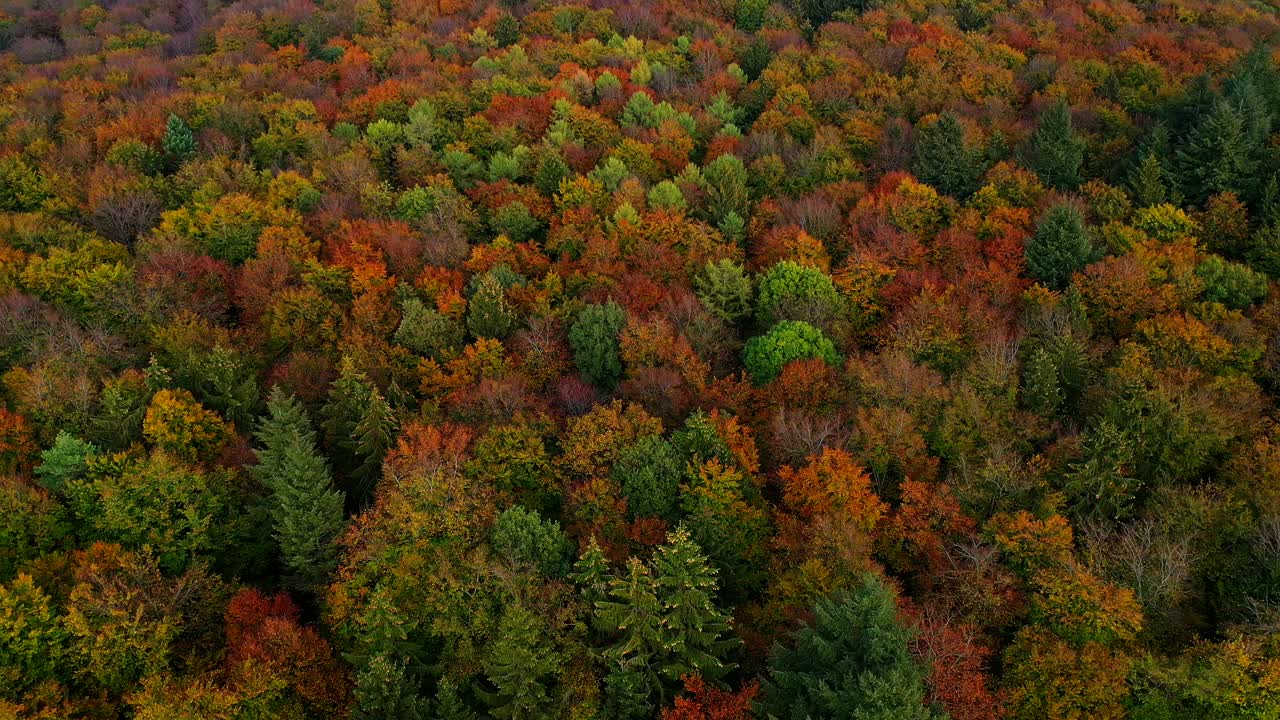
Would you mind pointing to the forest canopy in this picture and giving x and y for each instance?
(698, 360)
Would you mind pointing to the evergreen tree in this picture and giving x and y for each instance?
(346, 405)
(306, 511)
(591, 574)
(521, 666)
(1216, 156)
(851, 663)
(1059, 248)
(698, 630)
(507, 30)
(449, 704)
(385, 691)
(594, 339)
(632, 613)
(385, 632)
(943, 161)
(373, 437)
(1149, 182)
(178, 142)
(489, 315)
(1055, 153)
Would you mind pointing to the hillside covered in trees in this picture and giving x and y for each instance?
(639, 359)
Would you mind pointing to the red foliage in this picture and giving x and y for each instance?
(705, 702)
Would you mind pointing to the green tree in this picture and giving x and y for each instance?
(942, 159)
(1216, 157)
(649, 475)
(594, 339)
(306, 511)
(726, 185)
(1054, 151)
(33, 640)
(766, 355)
(791, 291)
(1060, 247)
(65, 461)
(489, 315)
(522, 536)
(426, 331)
(506, 31)
(385, 691)
(591, 574)
(178, 142)
(373, 437)
(449, 705)
(852, 662)
(1149, 182)
(522, 665)
(724, 288)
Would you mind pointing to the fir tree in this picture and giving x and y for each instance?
(1060, 247)
(1149, 182)
(449, 704)
(1055, 153)
(306, 511)
(591, 574)
(1216, 157)
(943, 161)
(852, 663)
(348, 399)
(521, 666)
(594, 339)
(178, 142)
(697, 629)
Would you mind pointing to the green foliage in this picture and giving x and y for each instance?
(851, 662)
(649, 474)
(1232, 284)
(725, 288)
(489, 315)
(766, 355)
(726, 186)
(1054, 151)
(306, 512)
(1060, 247)
(384, 691)
(1217, 155)
(33, 524)
(33, 640)
(426, 331)
(791, 291)
(522, 666)
(943, 160)
(594, 340)
(65, 461)
(23, 188)
(178, 142)
(521, 536)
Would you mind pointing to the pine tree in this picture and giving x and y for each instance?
(178, 142)
(1055, 153)
(852, 663)
(1216, 157)
(943, 161)
(1060, 247)
(521, 665)
(306, 511)
(384, 691)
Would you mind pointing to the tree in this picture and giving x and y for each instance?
(426, 331)
(177, 423)
(384, 691)
(791, 291)
(699, 630)
(65, 461)
(594, 339)
(726, 185)
(1060, 247)
(725, 288)
(306, 511)
(1054, 151)
(765, 355)
(649, 475)
(1216, 157)
(489, 315)
(33, 640)
(1149, 182)
(943, 160)
(522, 536)
(851, 662)
(522, 666)
(178, 142)
(373, 437)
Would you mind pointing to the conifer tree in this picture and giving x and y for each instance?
(306, 511)
(1059, 248)
(489, 315)
(178, 142)
(385, 691)
(699, 630)
(851, 663)
(1055, 153)
(594, 339)
(1216, 157)
(373, 436)
(591, 574)
(449, 705)
(522, 666)
(1149, 182)
(943, 161)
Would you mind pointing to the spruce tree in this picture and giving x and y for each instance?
(698, 630)
(306, 511)
(1055, 153)
(1060, 247)
(851, 663)
(943, 161)
(449, 704)
(489, 315)
(348, 399)
(1149, 182)
(591, 575)
(594, 339)
(1216, 156)
(373, 436)
(522, 666)
(178, 142)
